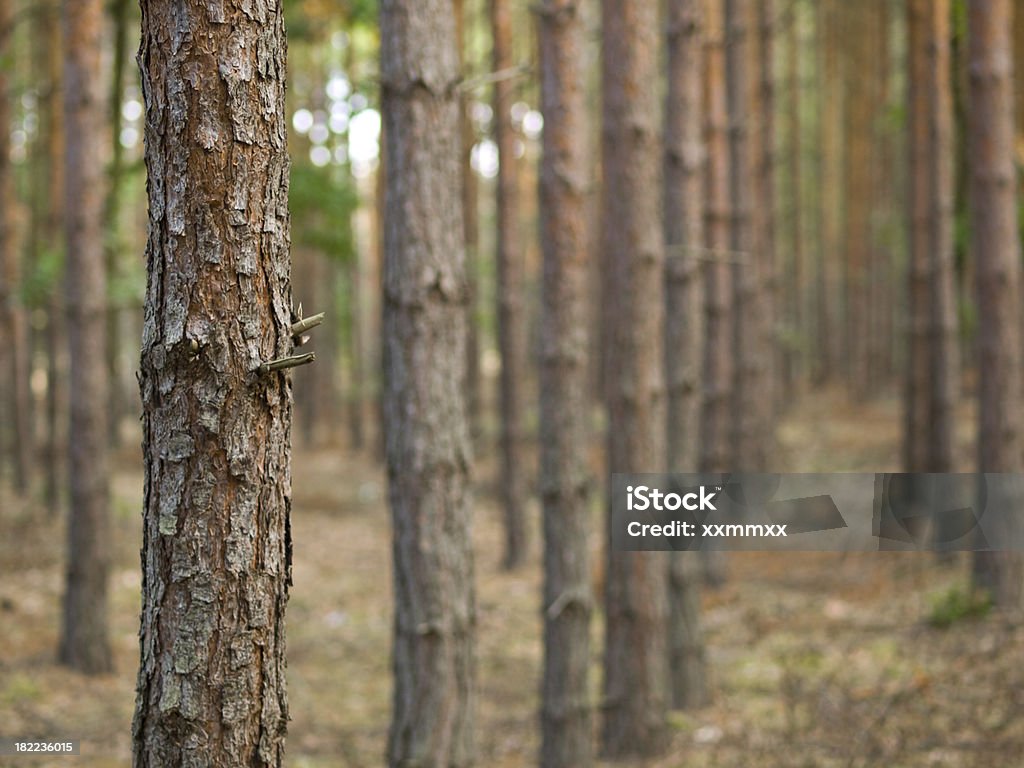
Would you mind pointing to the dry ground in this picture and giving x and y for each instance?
(818, 660)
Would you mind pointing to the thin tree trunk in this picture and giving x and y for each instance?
(767, 207)
(13, 328)
(425, 296)
(216, 429)
(470, 229)
(684, 238)
(916, 387)
(944, 363)
(111, 214)
(357, 375)
(715, 453)
(566, 710)
(832, 185)
(84, 642)
(796, 274)
(635, 662)
(510, 268)
(996, 252)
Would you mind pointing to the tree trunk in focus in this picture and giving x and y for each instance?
(216, 427)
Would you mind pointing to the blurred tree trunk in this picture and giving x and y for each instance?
(795, 281)
(566, 712)
(424, 338)
(509, 290)
(356, 335)
(715, 454)
(860, 50)
(113, 242)
(916, 386)
(944, 359)
(684, 237)
(84, 643)
(636, 659)
(830, 343)
(996, 252)
(767, 207)
(53, 130)
(216, 429)
(470, 227)
(14, 338)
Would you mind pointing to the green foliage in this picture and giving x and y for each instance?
(322, 201)
(42, 278)
(956, 604)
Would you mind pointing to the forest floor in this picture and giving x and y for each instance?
(817, 659)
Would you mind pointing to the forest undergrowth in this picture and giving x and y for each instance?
(817, 659)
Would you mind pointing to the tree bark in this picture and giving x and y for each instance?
(216, 430)
(566, 711)
(84, 643)
(13, 328)
(944, 363)
(510, 268)
(996, 252)
(424, 338)
(684, 238)
(715, 449)
(635, 684)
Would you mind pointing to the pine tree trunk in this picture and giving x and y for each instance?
(471, 232)
(944, 360)
(14, 339)
(995, 249)
(511, 329)
(715, 452)
(832, 186)
(84, 643)
(916, 385)
(684, 237)
(797, 272)
(635, 662)
(566, 711)
(425, 296)
(216, 430)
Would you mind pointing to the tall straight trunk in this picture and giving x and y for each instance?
(216, 425)
(916, 386)
(752, 401)
(996, 252)
(796, 274)
(84, 642)
(56, 391)
(356, 335)
(944, 362)
(510, 268)
(832, 185)
(684, 238)
(470, 228)
(765, 173)
(424, 340)
(636, 631)
(566, 711)
(13, 328)
(860, 49)
(111, 214)
(715, 449)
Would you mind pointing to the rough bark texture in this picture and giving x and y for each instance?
(566, 710)
(635, 662)
(715, 450)
(684, 328)
(996, 253)
(216, 432)
(510, 268)
(84, 642)
(424, 400)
